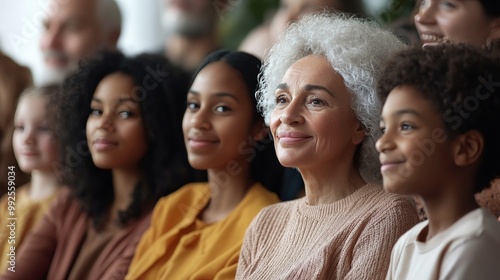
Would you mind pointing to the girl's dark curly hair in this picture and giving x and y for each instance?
(160, 89)
(463, 85)
(265, 167)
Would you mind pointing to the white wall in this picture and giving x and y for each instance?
(141, 26)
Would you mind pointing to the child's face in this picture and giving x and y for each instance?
(115, 130)
(34, 142)
(415, 151)
(219, 119)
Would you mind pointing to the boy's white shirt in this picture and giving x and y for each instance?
(469, 249)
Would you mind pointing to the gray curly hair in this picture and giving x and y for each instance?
(355, 48)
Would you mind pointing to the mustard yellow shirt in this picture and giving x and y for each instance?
(180, 246)
(27, 213)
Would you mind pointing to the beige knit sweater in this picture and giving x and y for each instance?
(349, 239)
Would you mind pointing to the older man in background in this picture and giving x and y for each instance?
(75, 29)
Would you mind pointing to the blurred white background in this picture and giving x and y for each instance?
(20, 28)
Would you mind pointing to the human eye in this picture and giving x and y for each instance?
(382, 128)
(72, 26)
(280, 99)
(423, 5)
(317, 101)
(447, 4)
(95, 112)
(192, 106)
(222, 109)
(406, 126)
(44, 128)
(124, 114)
(19, 127)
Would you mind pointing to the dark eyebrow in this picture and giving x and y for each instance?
(218, 94)
(407, 111)
(119, 101)
(126, 99)
(282, 86)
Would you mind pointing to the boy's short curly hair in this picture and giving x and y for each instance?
(463, 84)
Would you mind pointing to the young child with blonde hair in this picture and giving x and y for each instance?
(35, 148)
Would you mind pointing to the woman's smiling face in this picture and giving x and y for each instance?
(457, 21)
(313, 123)
(115, 131)
(219, 118)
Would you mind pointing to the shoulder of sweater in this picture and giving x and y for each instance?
(280, 209)
(383, 207)
(17, 194)
(385, 199)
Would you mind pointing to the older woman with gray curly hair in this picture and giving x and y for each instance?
(318, 95)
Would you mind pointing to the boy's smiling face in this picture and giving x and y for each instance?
(415, 151)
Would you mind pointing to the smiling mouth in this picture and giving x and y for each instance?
(201, 143)
(103, 145)
(29, 154)
(432, 38)
(288, 141)
(388, 166)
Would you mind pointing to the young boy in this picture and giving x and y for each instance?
(441, 142)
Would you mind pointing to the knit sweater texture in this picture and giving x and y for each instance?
(348, 239)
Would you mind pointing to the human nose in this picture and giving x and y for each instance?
(200, 119)
(106, 123)
(427, 13)
(384, 143)
(292, 113)
(28, 136)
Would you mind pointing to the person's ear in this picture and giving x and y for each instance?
(494, 31)
(468, 148)
(359, 134)
(112, 39)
